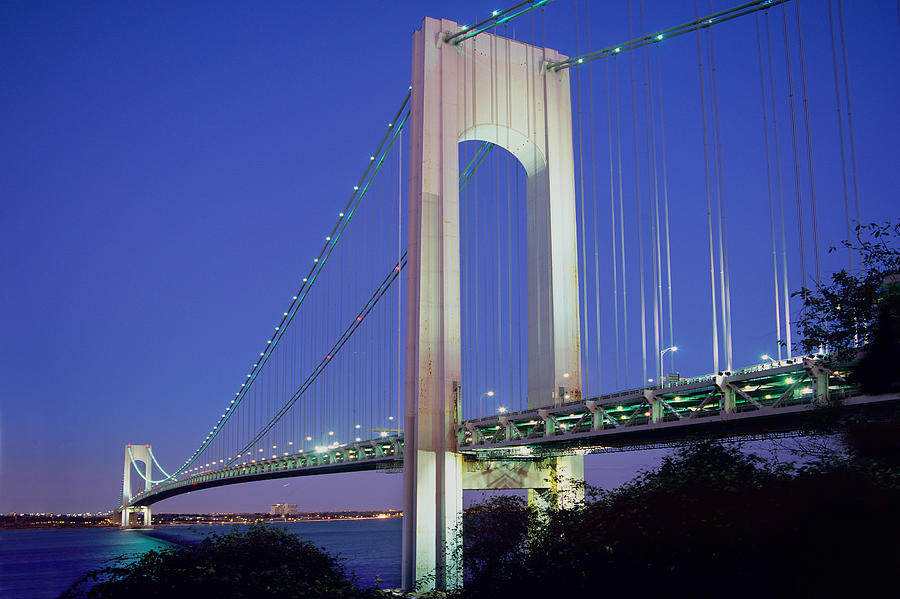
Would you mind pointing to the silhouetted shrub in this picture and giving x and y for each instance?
(255, 562)
(709, 521)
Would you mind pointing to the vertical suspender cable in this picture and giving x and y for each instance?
(724, 282)
(665, 182)
(495, 107)
(582, 280)
(400, 411)
(786, 340)
(653, 192)
(593, 163)
(476, 265)
(621, 225)
(712, 263)
(612, 216)
(840, 10)
(509, 253)
(532, 130)
(790, 82)
(840, 123)
(521, 299)
(809, 157)
(637, 182)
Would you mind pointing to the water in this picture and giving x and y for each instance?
(37, 564)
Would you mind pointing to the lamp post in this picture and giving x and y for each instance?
(672, 348)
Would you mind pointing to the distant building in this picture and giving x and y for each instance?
(283, 509)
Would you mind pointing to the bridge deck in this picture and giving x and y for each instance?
(763, 399)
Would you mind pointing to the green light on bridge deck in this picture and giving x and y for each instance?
(659, 37)
(789, 381)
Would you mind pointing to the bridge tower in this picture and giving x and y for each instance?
(134, 454)
(488, 89)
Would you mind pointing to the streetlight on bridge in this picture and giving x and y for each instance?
(673, 348)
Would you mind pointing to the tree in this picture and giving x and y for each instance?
(258, 561)
(857, 315)
(710, 517)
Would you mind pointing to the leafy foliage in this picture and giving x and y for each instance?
(258, 561)
(846, 314)
(709, 518)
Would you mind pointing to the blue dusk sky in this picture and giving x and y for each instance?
(167, 170)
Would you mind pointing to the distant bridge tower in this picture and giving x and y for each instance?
(134, 454)
(489, 89)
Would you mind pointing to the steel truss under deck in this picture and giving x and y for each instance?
(762, 401)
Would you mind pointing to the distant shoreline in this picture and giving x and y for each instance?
(198, 523)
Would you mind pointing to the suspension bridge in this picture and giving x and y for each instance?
(532, 244)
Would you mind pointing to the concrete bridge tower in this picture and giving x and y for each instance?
(133, 454)
(490, 89)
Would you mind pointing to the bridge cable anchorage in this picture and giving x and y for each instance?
(337, 231)
(653, 38)
(498, 17)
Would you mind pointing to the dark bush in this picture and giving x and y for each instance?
(710, 521)
(255, 562)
